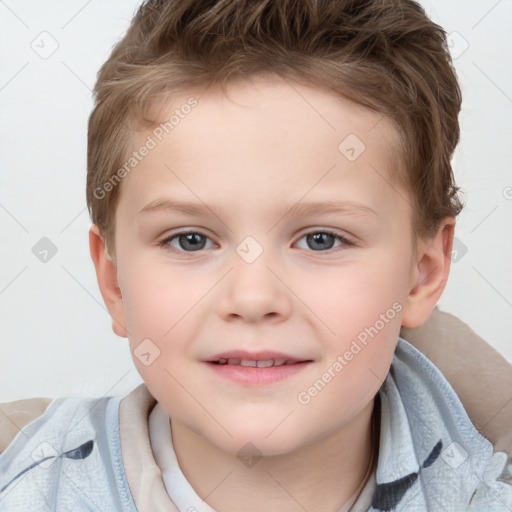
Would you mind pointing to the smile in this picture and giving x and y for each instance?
(253, 373)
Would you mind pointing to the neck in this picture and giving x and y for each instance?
(319, 477)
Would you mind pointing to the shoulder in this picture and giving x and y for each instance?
(73, 437)
(23, 420)
(479, 375)
(429, 447)
(15, 415)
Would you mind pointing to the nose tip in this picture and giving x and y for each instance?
(253, 292)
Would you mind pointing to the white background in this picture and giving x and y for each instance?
(55, 333)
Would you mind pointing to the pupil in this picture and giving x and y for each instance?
(318, 240)
(191, 241)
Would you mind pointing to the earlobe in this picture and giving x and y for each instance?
(106, 274)
(432, 270)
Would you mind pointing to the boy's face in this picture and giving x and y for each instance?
(251, 284)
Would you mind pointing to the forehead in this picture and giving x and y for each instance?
(317, 112)
(257, 137)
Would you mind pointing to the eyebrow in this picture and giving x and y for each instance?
(313, 208)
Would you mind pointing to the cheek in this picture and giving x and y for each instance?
(362, 312)
(159, 313)
(350, 299)
(155, 299)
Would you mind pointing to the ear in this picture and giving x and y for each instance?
(430, 274)
(106, 273)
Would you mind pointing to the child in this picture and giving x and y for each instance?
(229, 141)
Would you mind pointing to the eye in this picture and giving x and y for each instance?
(188, 241)
(323, 240)
(193, 241)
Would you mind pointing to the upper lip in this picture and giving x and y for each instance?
(265, 355)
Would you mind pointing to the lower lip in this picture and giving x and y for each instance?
(254, 376)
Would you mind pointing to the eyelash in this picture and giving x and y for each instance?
(166, 241)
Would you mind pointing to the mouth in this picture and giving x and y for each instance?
(256, 369)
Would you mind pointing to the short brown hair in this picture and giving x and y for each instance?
(383, 54)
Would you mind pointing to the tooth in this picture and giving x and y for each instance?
(222, 361)
(279, 362)
(234, 361)
(264, 364)
(247, 362)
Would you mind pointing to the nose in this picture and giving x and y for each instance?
(253, 292)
